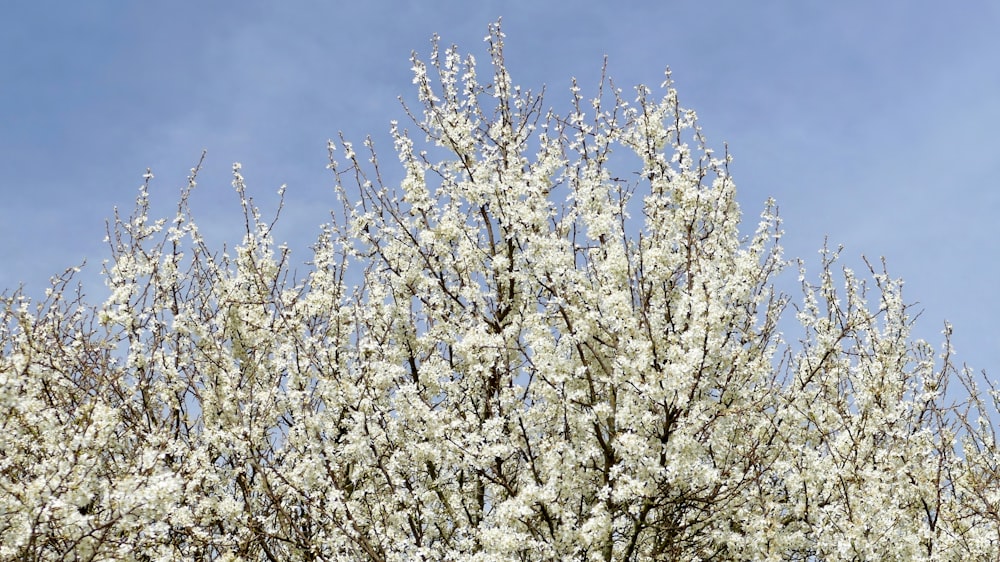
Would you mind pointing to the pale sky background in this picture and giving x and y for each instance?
(872, 123)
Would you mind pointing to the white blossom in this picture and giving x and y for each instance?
(512, 353)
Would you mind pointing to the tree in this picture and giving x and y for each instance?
(513, 353)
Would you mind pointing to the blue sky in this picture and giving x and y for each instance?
(872, 123)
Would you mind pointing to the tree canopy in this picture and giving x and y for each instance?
(514, 352)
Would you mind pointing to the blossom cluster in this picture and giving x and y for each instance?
(512, 353)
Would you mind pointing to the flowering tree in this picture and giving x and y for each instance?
(513, 353)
